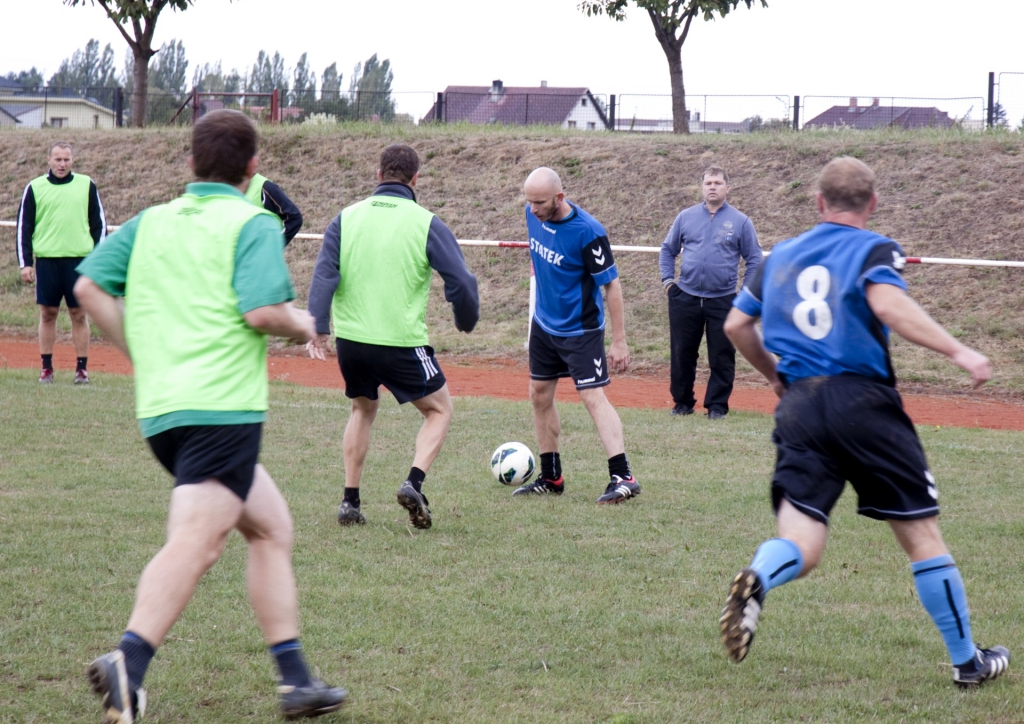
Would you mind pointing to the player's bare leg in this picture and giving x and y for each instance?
(47, 328)
(606, 419)
(266, 525)
(355, 444)
(79, 330)
(546, 422)
(436, 409)
(201, 516)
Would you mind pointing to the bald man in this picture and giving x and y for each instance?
(572, 260)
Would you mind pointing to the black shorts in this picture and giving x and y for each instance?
(55, 280)
(581, 358)
(832, 429)
(195, 453)
(410, 373)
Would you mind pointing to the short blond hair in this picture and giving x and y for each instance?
(60, 144)
(847, 184)
(715, 171)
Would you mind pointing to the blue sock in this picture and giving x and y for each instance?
(288, 655)
(942, 594)
(137, 655)
(777, 561)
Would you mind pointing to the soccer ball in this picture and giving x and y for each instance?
(512, 463)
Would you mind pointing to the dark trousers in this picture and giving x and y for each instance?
(688, 319)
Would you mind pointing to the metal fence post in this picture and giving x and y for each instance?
(439, 108)
(796, 113)
(526, 113)
(611, 112)
(991, 100)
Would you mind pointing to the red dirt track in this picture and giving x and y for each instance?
(509, 380)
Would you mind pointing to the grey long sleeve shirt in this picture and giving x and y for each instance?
(711, 249)
(443, 254)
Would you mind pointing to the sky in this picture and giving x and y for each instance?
(842, 48)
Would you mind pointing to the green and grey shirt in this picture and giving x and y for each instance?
(188, 271)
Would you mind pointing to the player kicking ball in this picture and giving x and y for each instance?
(827, 300)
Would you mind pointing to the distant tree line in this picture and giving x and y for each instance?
(169, 82)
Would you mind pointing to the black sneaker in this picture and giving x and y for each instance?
(988, 664)
(349, 514)
(540, 486)
(306, 702)
(109, 679)
(620, 489)
(680, 409)
(416, 503)
(716, 414)
(739, 617)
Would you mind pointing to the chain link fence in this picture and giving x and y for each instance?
(1008, 110)
(706, 113)
(48, 107)
(562, 107)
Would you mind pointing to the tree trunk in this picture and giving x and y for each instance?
(680, 118)
(140, 87)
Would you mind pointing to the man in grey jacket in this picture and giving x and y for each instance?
(712, 238)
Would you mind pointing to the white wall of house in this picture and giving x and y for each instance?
(31, 119)
(584, 116)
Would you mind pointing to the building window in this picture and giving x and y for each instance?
(95, 121)
(571, 124)
(58, 122)
(583, 102)
(591, 126)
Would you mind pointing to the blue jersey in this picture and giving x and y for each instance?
(572, 260)
(811, 297)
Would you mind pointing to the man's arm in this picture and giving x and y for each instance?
(26, 227)
(275, 200)
(283, 320)
(618, 352)
(97, 219)
(750, 250)
(895, 309)
(670, 249)
(104, 310)
(741, 329)
(460, 288)
(326, 277)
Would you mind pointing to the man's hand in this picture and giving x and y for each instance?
(618, 357)
(28, 274)
(974, 363)
(317, 347)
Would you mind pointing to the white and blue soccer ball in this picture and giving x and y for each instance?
(512, 463)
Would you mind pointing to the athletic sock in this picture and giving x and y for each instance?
(47, 361)
(941, 590)
(288, 655)
(550, 466)
(352, 496)
(416, 477)
(618, 465)
(137, 655)
(82, 362)
(777, 561)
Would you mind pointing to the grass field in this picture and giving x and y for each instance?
(507, 610)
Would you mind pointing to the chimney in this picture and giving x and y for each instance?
(853, 106)
(543, 84)
(874, 103)
(497, 90)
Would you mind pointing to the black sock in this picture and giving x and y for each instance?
(618, 465)
(47, 361)
(81, 363)
(137, 655)
(352, 496)
(416, 477)
(550, 466)
(288, 655)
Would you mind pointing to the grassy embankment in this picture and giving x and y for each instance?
(944, 194)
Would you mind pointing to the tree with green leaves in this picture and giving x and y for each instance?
(303, 83)
(371, 86)
(88, 68)
(330, 81)
(671, 20)
(27, 79)
(141, 17)
(268, 74)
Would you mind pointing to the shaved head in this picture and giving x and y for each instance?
(543, 190)
(544, 181)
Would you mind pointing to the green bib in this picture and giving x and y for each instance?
(62, 218)
(385, 275)
(190, 346)
(255, 191)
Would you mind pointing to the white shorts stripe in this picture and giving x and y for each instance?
(426, 363)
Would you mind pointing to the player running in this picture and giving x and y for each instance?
(827, 300)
